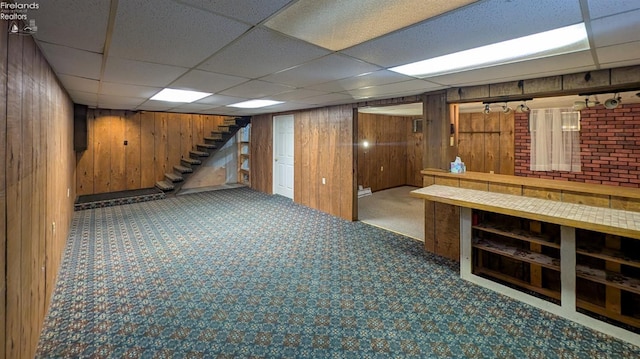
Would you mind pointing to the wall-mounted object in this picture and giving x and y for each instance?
(417, 125)
(79, 127)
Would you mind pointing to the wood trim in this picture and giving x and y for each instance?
(442, 194)
(585, 188)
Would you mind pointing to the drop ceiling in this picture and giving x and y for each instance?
(117, 54)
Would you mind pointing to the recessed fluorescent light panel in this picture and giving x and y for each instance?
(172, 95)
(544, 44)
(255, 104)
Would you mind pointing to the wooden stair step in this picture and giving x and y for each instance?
(173, 177)
(199, 153)
(224, 129)
(213, 139)
(183, 169)
(208, 146)
(165, 186)
(190, 161)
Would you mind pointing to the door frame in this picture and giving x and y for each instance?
(274, 184)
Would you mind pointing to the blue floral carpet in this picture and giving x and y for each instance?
(238, 273)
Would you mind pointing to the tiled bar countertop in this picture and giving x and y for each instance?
(607, 220)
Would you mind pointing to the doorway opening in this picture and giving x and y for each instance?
(390, 148)
(283, 144)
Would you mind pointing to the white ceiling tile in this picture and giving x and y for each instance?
(151, 105)
(601, 8)
(331, 97)
(223, 110)
(123, 102)
(297, 94)
(336, 25)
(328, 68)
(68, 61)
(109, 88)
(79, 83)
(618, 55)
(84, 98)
(191, 107)
(166, 32)
(220, 100)
(372, 79)
(80, 24)
(204, 81)
(256, 89)
(140, 73)
(251, 11)
(277, 52)
(616, 29)
(411, 86)
(483, 23)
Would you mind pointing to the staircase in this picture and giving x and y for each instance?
(173, 180)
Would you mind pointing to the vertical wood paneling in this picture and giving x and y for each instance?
(14, 303)
(324, 147)
(186, 136)
(197, 129)
(334, 167)
(314, 173)
(38, 166)
(102, 153)
(385, 163)
(148, 157)
(174, 137)
(346, 156)
(438, 153)
(3, 197)
(262, 153)
(492, 142)
(301, 135)
(28, 274)
(132, 149)
(323, 162)
(486, 142)
(118, 180)
(85, 160)
(415, 149)
(507, 144)
(160, 145)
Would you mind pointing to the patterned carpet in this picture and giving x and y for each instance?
(237, 273)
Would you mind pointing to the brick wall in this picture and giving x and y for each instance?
(610, 148)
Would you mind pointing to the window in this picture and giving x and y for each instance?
(555, 140)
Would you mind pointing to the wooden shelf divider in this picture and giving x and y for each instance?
(608, 278)
(608, 254)
(520, 234)
(520, 254)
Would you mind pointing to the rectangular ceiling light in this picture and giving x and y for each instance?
(544, 44)
(336, 25)
(255, 104)
(173, 95)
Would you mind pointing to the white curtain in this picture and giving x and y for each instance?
(555, 140)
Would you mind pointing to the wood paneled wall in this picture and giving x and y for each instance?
(37, 188)
(394, 155)
(324, 148)
(155, 143)
(3, 196)
(486, 142)
(438, 151)
(261, 155)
